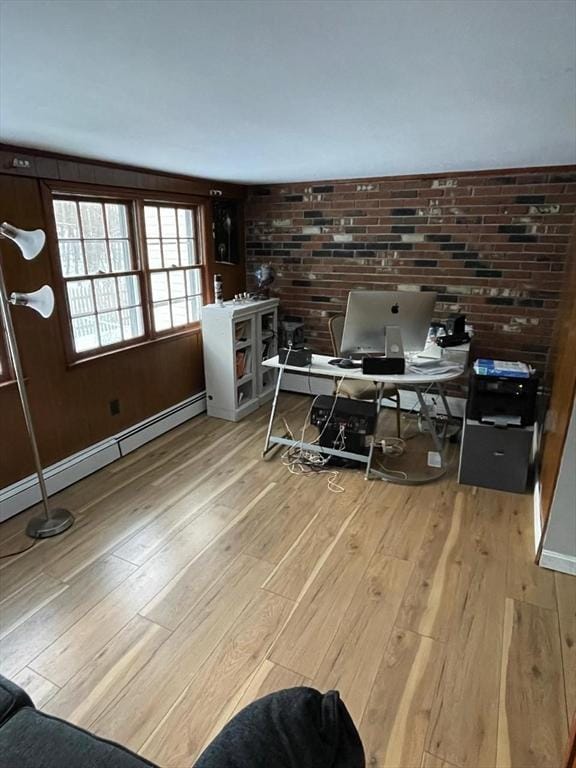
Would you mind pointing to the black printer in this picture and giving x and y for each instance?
(499, 396)
(498, 439)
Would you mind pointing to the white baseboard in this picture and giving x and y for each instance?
(26, 492)
(321, 385)
(557, 562)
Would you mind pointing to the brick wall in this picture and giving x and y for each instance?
(492, 245)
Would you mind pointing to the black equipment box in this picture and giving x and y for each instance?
(382, 366)
(292, 334)
(499, 396)
(301, 357)
(356, 416)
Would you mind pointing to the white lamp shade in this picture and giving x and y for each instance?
(30, 242)
(42, 301)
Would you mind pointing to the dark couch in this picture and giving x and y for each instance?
(296, 728)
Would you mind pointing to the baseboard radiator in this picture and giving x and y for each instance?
(26, 492)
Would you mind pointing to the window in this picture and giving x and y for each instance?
(98, 267)
(173, 266)
(120, 290)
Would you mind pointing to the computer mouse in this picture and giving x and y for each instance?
(347, 363)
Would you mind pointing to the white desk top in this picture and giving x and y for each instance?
(321, 367)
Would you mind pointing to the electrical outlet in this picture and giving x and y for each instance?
(114, 407)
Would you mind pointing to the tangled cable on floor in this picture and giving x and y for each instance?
(301, 461)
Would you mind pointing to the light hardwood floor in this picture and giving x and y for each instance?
(198, 577)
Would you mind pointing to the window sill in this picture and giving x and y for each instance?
(133, 347)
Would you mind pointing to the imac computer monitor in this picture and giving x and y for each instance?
(370, 313)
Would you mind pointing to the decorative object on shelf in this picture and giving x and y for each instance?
(218, 296)
(57, 520)
(265, 275)
(225, 231)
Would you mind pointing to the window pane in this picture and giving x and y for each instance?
(85, 333)
(151, 221)
(120, 255)
(177, 285)
(116, 220)
(159, 283)
(105, 292)
(71, 258)
(128, 290)
(185, 223)
(154, 254)
(179, 313)
(170, 248)
(132, 323)
(162, 318)
(110, 327)
(187, 252)
(95, 239)
(66, 216)
(168, 222)
(194, 309)
(193, 282)
(80, 297)
(96, 256)
(92, 217)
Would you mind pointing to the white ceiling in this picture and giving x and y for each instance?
(280, 90)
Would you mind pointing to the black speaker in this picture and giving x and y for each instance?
(301, 358)
(382, 366)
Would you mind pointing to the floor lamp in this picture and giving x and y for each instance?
(54, 521)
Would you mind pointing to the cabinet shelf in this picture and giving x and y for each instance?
(236, 339)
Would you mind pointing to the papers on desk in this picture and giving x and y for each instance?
(433, 367)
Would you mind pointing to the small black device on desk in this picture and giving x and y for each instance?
(375, 365)
(344, 362)
(300, 357)
(456, 334)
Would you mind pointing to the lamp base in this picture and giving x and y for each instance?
(42, 528)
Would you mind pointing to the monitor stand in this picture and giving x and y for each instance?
(394, 346)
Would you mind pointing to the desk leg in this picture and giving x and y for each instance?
(369, 469)
(272, 413)
(444, 399)
(429, 421)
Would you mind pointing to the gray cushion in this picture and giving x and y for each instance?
(295, 728)
(12, 698)
(30, 739)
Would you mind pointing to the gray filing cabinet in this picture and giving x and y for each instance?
(498, 457)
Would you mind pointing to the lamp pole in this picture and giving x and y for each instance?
(57, 520)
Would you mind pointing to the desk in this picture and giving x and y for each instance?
(416, 381)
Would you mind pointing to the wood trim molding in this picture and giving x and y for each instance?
(563, 392)
(51, 166)
(407, 176)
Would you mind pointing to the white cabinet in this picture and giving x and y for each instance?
(236, 338)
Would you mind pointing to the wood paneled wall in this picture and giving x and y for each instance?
(563, 387)
(70, 403)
